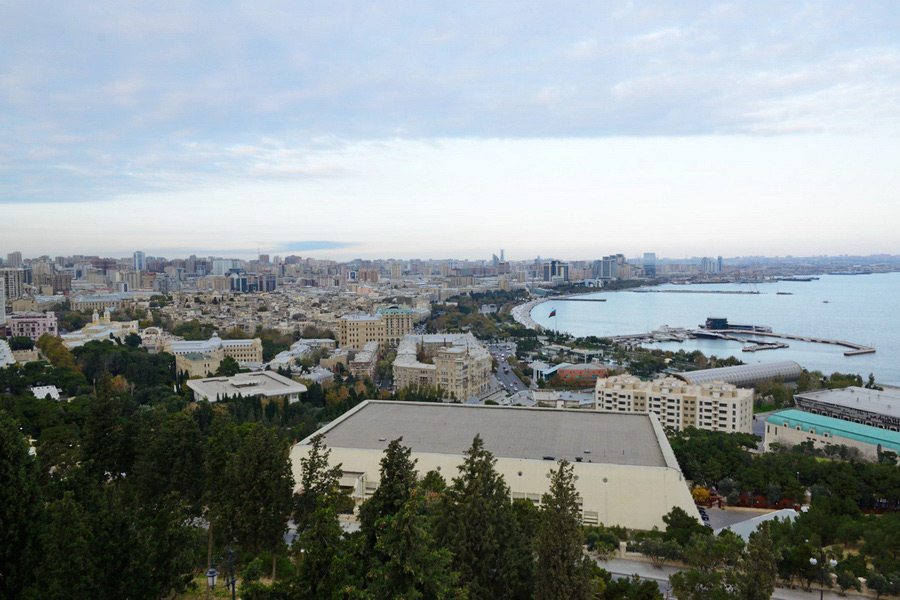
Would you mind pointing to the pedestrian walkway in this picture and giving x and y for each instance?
(644, 570)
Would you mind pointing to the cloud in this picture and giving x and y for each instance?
(119, 98)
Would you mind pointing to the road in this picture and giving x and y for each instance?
(504, 373)
(619, 568)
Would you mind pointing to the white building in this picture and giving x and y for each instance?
(626, 473)
(459, 364)
(715, 406)
(100, 329)
(6, 355)
(267, 384)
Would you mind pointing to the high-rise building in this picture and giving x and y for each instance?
(649, 264)
(14, 281)
(264, 259)
(14, 260)
(2, 302)
(139, 261)
(554, 270)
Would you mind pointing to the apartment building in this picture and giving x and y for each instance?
(33, 324)
(459, 364)
(715, 406)
(387, 327)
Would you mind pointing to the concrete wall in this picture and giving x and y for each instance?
(634, 497)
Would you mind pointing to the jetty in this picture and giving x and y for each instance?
(571, 299)
(694, 292)
(758, 347)
(855, 349)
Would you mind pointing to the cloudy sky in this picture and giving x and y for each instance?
(424, 129)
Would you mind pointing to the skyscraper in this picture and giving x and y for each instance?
(649, 264)
(138, 261)
(14, 260)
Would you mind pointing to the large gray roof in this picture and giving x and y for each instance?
(745, 375)
(884, 402)
(508, 432)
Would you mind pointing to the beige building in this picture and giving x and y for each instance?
(267, 384)
(459, 364)
(363, 363)
(626, 473)
(714, 406)
(194, 364)
(243, 351)
(32, 324)
(100, 329)
(791, 427)
(387, 327)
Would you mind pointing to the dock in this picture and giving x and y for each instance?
(567, 299)
(695, 292)
(855, 349)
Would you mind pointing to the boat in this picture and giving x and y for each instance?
(826, 301)
(784, 293)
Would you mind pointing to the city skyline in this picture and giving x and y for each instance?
(748, 127)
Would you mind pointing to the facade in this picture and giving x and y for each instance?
(138, 261)
(555, 270)
(746, 375)
(363, 363)
(194, 364)
(14, 282)
(266, 384)
(387, 327)
(100, 329)
(714, 406)
(626, 473)
(99, 301)
(876, 408)
(792, 427)
(6, 355)
(398, 322)
(14, 259)
(459, 364)
(33, 324)
(585, 373)
(243, 351)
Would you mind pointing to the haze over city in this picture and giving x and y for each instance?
(405, 131)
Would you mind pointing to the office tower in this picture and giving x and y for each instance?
(649, 264)
(14, 260)
(138, 261)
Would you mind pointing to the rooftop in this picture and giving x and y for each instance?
(885, 402)
(837, 428)
(523, 433)
(260, 383)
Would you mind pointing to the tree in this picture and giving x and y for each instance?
(21, 342)
(398, 478)
(20, 514)
(694, 584)
(847, 580)
(480, 530)
(133, 340)
(319, 540)
(681, 527)
(228, 367)
(759, 567)
(560, 571)
(412, 565)
(259, 490)
(659, 550)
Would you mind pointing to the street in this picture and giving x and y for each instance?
(510, 382)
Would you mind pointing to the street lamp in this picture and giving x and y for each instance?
(211, 578)
(833, 563)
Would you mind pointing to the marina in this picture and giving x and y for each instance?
(855, 331)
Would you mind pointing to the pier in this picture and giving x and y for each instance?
(568, 299)
(855, 349)
(695, 292)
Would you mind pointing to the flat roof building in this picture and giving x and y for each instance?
(261, 383)
(792, 427)
(878, 408)
(625, 469)
(746, 375)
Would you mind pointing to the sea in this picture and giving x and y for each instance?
(863, 309)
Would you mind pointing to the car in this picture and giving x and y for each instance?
(707, 525)
(704, 517)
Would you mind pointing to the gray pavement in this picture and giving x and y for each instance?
(719, 518)
(625, 568)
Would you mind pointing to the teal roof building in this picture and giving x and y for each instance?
(797, 426)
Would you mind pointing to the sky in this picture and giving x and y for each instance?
(432, 130)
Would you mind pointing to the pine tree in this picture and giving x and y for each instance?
(561, 571)
(398, 479)
(479, 528)
(20, 510)
(759, 566)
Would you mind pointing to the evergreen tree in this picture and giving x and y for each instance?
(398, 479)
(259, 489)
(479, 528)
(561, 571)
(759, 566)
(320, 545)
(20, 510)
(414, 567)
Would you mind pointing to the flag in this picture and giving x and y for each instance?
(553, 313)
